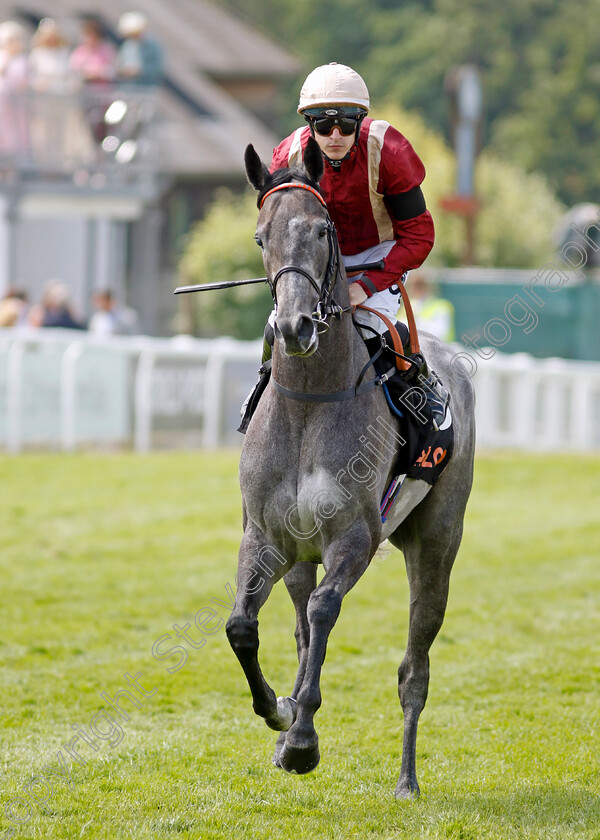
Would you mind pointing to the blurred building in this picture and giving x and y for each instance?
(111, 214)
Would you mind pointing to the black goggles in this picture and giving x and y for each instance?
(325, 125)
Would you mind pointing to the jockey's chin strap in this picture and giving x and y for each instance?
(326, 306)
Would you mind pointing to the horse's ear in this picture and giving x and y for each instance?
(313, 160)
(256, 171)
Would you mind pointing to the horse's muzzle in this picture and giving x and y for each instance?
(298, 334)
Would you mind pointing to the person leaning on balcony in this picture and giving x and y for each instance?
(13, 56)
(49, 60)
(93, 59)
(60, 138)
(13, 87)
(140, 59)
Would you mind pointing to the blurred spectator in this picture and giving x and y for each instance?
(93, 60)
(13, 84)
(110, 319)
(49, 60)
(14, 301)
(10, 311)
(579, 230)
(432, 313)
(140, 59)
(60, 137)
(56, 309)
(13, 56)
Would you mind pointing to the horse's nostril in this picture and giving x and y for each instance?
(297, 333)
(305, 329)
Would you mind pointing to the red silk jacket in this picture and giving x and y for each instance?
(374, 196)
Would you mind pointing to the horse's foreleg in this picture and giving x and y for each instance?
(428, 564)
(344, 561)
(300, 582)
(259, 567)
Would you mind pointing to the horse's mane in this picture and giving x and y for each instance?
(282, 176)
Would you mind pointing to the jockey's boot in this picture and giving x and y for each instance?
(264, 374)
(436, 396)
(418, 375)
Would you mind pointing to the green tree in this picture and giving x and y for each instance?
(221, 247)
(539, 60)
(554, 125)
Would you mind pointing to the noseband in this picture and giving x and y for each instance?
(326, 306)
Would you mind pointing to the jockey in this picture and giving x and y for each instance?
(371, 185)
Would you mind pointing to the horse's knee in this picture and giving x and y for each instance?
(323, 608)
(413, 683)
(242, 634)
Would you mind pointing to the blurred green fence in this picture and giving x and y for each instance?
(545, 313)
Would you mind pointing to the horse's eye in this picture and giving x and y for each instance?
(322, 233)
(258, 241)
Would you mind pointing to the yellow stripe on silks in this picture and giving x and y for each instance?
(377, 130)
(295, 153)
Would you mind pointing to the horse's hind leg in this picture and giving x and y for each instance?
(259, 567)
(300, 582)
(429, 558)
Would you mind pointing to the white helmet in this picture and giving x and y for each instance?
(333, 84)
(132, 23)
(10, 30)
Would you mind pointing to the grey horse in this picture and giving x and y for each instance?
(316, 460)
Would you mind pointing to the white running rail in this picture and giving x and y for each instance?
(67, 390)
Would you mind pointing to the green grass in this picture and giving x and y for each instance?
(101, 555)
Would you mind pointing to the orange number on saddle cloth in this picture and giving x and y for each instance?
(438, 456)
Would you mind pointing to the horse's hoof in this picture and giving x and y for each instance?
(407, 789)
(299, 759)
(287, 708)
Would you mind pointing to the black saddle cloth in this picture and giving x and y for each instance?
(426, 451)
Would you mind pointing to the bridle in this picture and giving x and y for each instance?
(325, 306)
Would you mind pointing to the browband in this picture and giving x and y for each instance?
(293, 185)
